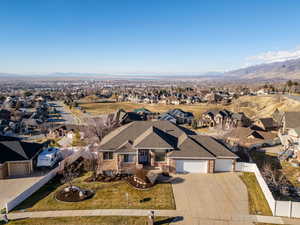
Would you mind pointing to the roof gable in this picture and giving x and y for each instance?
(155, 138)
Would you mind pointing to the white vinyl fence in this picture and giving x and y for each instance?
(36, 186)
(278, 208)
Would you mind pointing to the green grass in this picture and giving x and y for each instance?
(107, 196)
(257, 201)
(101, 220)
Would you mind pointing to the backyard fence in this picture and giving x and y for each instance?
(278, 208)
(11, 204)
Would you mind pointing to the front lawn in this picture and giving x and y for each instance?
(101, 220)
(257, 201)
(115, 195)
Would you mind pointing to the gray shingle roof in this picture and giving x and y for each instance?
(213, 146)
(166, 135)
(155, 138)
(12, 149)
(188, 148)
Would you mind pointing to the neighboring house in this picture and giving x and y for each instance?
(162, 145)
(266, 124)
(66, 130)
(294, 141)
(123, 117)
(249, 138)
(290, 132)
(168, 117)
(178, 115)
(290, 120)
(17, 158)
(145, 113)
(223, 119)
(277, 116)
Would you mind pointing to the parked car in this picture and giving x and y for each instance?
(49, 157)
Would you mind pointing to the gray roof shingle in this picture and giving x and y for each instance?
(166, 135)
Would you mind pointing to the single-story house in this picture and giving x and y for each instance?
(250, 138)
(266, 124)
(17, 158)
(165, 146)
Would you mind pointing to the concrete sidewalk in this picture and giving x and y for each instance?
(95, 212)
(178, 216)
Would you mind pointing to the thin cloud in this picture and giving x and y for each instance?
(274, 56)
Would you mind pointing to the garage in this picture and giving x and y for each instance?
(191, 166)
(223, 165)
(19, 168)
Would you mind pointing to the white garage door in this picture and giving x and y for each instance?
(191, 166)
(223, 165)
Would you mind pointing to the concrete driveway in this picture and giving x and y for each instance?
(10, 188)
(219, 198)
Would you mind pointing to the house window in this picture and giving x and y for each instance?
(160, 156)
(108, 156)
(128, 158)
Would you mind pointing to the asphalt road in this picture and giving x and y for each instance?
(67, 116)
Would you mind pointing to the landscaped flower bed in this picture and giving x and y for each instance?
(73, 194)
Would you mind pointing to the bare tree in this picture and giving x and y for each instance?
(274, 178)
(92, 157)
(70, 172)
(100, 126)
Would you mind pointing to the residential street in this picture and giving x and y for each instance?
(67, 116)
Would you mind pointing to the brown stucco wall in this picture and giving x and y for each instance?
(3, 171)
(172, 166)
(108, 164)
(211, 166)
(20, 168)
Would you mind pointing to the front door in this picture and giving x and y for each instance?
(144, 157)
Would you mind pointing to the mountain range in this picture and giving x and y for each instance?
(289, 69)
(276, 71)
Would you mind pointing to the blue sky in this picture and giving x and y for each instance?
(145, 36)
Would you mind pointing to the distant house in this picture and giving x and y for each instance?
(223, 119)
(178, 116)
(17, 158)
(262, 92)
